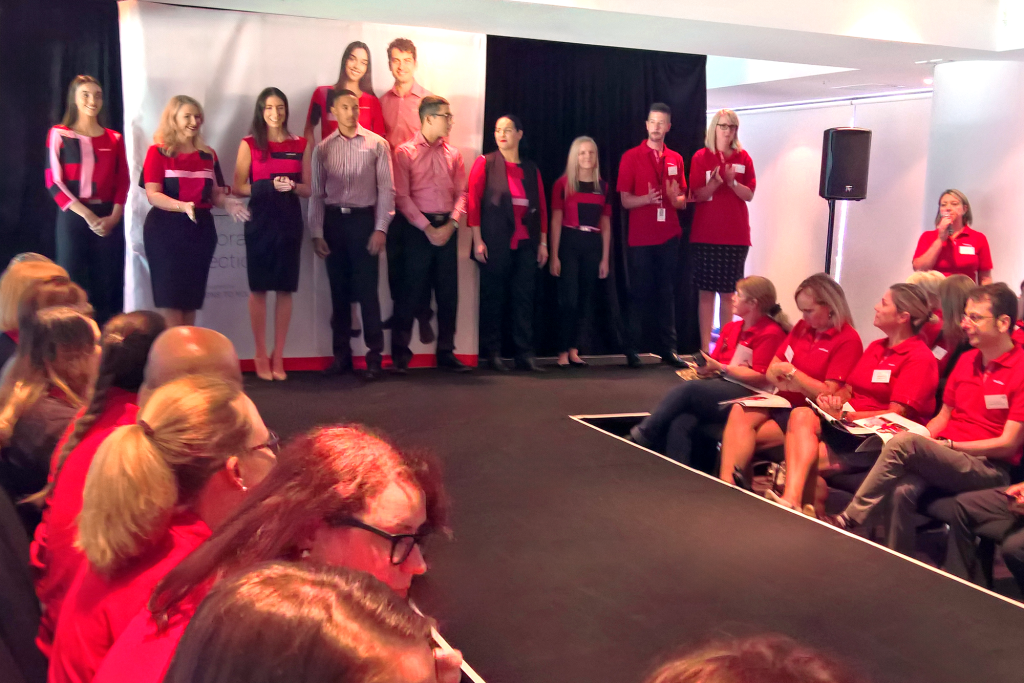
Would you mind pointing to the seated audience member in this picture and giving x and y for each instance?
(760, 659)
(816, 357)
(995, 515)
(896, 374)
(338, 496)
(952, 341)
(294, 623)
(47, 383)
(976, 437)
(154, 491)
(744, 350)
(953, 246)
(125, 344)
(929, 281)
(16, 280)
(185, 350)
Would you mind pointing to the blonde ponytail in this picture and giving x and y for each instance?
(185, 433)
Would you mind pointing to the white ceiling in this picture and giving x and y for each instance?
(771, 52)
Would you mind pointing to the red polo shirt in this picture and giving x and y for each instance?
(641, 169)
(966, 254)
(762, 338)
(977, 395)
(907, 373)
(828, 355)
(55, 559)
(97, 609)
(722, 218)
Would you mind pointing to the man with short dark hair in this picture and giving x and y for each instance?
(975, 438)
(430, 194)
(652, 184)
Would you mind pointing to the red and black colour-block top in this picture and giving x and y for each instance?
(281, 159)
(86, 168)
(370, 115)
(581, 210)
(185, 177)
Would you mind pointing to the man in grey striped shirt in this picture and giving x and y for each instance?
(352, 204)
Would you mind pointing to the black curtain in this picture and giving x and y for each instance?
(43, 45)
(563, 90)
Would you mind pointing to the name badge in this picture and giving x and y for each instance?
(881, 376)
(939, 352)
(742, 358)
(661, 214)
(673, 170)
(789, 354)
(739, 168)
(967, 249)
(996, 402)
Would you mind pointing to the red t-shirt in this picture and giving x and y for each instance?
(54, 557)
(581, 209)
(97, 609)
(370, 116)
(966, 254)
(762, 338)
(520, 204)
(185, 177)
(641, 169)
(907, 373)
(828, 355)
(983, 399)
(723, 218)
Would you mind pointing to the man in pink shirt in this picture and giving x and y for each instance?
(401, 108)
(430, 194)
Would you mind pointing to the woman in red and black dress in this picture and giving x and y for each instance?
(183, 182)
(579, 254)
(87, 175)
(273, 168)
(355, 76)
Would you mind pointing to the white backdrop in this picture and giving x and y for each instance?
(224, 59)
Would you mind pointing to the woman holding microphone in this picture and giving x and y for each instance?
(953, 246)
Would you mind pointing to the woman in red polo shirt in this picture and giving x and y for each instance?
(154, 491)
(896, 374)
(356, 75)
(579, 254)
(745, 348)
(55, 560)
(816, 357)
(953, 246)
(722, 181)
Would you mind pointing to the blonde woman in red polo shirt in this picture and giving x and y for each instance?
(896, 374)
(816, 357)
(722, 181)
(953, 246)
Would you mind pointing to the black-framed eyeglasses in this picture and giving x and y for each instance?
(401, 544)
(272, 444)
(449, 117)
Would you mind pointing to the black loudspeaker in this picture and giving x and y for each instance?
(844, 163)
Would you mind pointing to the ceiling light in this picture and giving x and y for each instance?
(928, 81)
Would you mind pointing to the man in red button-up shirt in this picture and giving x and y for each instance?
(975, 438)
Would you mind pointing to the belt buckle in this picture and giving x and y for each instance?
(345, 209)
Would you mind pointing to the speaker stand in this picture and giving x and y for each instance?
(828, 245)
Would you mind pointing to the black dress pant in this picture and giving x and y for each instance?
(652, 283)
(93, 262)
(508, 276)
(985, 514)
(353, 273)
(397, 279)
(580, 255)
(426, 267)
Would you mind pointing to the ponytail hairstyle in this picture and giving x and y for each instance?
(761, 290)
(953, 293)
(185, 433)
(71, 108)
(167, 136)
(125, 346)
(913, 300)
(259, 124)
(827, 292)
(56, 355)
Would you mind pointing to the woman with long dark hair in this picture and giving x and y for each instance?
(125, 344)
(273, 168)
(356, 75)
(87, 175)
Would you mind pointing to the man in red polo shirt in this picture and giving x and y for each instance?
(652, 184)
(975, 438)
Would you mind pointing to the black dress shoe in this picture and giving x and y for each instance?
(400, 366)
(373, 371)
(339, 367)
(528, 364)
(633, 360)
(673, 359)
(494, 362)
(446, 360)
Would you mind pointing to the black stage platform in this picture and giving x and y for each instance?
(580, 558)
